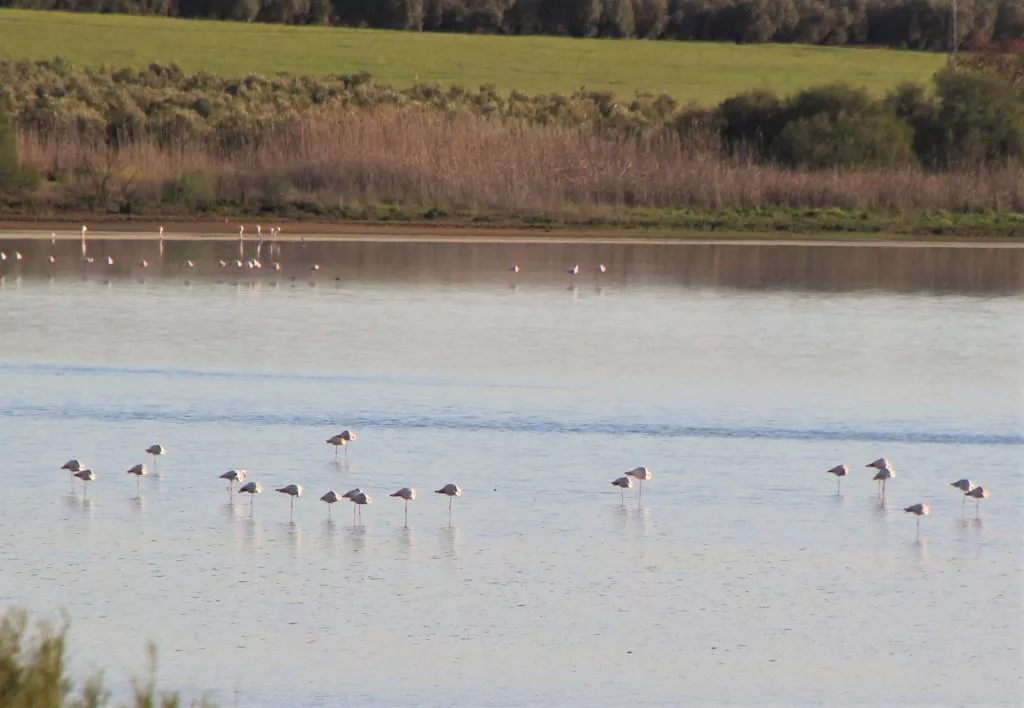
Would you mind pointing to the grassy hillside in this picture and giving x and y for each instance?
(689, 71)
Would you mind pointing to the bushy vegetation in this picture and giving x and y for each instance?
(159, 141)
(34, 672)
(919, 24)
(701, 72)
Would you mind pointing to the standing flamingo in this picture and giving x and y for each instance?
(918, 510)
(292, 490)
(885, 473)
(978, 493)
(642, 474)
(252, 489)
(623, 483)
(451, 491)
(233, 476)
(839, 471)
(408, 494)
(139, 471)
(86, 476)
(964, 485)
(338, 441)
(601, 269)
(573, 270)
(349, 495)
(73, 466)
(331, 497)
(360, 500)
(156, 451)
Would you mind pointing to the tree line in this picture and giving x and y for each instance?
(915, 24)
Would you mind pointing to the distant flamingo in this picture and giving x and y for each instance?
(885, 473)
(85, 476)
(73, 466)
(330, 498)
(252, 489)
(642, 474)
(292, 490)
(350, 494)
(601, 269)
(514, 268)
(139, 471)
(337, 441)
(156, 451)
(964, 485)
(143, 263)
(918, 510)
(978, 493)
(573, 270)
(233, 476)
(839, 471)
(623, 483)
(451, 491)
(110, 260)
(408, 494)
(360, 500)
(189, 264)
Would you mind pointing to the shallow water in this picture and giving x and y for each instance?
(737, 374)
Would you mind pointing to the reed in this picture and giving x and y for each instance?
(410, 163)
(34, 672)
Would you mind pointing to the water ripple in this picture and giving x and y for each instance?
(532, 425)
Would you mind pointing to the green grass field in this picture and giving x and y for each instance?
(690, 71)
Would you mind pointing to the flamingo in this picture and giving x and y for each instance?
(156, 451)
(601, 269)
(138, 470)
(331, 497)
(85, 475)
(514, 268)
(978, 493)
(642, 474)
(292, 490)
(839, 471)
(964, 485)
(360, 500)
(573, 270)
(408, 494)
(315, 267)
(451, 491)
(221, 263)
(623, 483)
(233, 476)
(276, 266)
(918, 510)
(252, 489)
(349, 495)
(885, 473)
(189, 264)
(143, 263)
(52, 259)
(110, 260)
(73, 466)
(337, 441)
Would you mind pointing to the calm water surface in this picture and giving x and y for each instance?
(738, 375)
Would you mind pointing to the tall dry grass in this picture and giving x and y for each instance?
(419, 159)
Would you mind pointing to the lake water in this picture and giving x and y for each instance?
(737, 374)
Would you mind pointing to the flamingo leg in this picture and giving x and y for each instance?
(406, 513)
(449, 511)
(291, 509)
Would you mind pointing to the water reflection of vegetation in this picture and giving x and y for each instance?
(34, 672)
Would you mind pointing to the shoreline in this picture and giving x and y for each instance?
(295, 230)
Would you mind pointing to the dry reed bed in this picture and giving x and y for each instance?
(410, 157)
